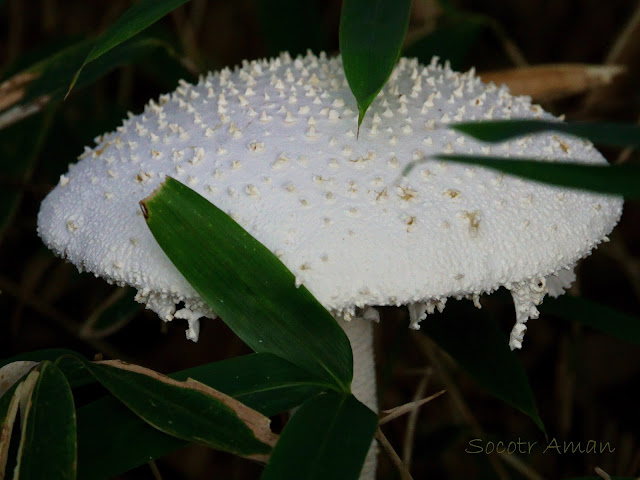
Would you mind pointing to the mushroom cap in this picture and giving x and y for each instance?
(273, 143)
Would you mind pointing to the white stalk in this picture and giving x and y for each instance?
(360, 334)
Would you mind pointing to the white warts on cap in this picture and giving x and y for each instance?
(273, 144)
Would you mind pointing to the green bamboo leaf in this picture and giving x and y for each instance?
(74, 372)
(141, 15)
(595, 315)
(609, 179)
(611, 134)
(48, 442)
(328, 437)
(38, 356)
(187, 410)
(261, 381)
(371, 36)
(481, 349)
(46, 81)
(246, 284)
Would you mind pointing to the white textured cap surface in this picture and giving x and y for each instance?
(273, 144)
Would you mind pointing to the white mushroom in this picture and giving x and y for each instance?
(334, 207)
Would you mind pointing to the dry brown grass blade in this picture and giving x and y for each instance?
(624, 51)
(429, 349)
(88, 331)
(525, 470)
(554, 81)
(412, 421)
(395, 458)
(12, 91)
(396, 412)
(48, 311)
(602, 474)
(12, 373)
(20, 112)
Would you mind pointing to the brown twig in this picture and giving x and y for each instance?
(155, 471)
(517, 464)
(396, 412)
(429, 350)
(395, 459)
(410, 431)
(550, 82)
(66, 323)
(602, 474)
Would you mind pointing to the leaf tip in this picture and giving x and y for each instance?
(73, 82)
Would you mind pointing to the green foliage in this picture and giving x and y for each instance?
(595, 315)
(328, 437)
(133, 21)
(371, 36)
(246, 284)
(480, 347)
(48, 440)
(611, 134)
(613, 179)
(261, 381)
(304, 358)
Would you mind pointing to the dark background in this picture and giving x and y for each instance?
(582, 379)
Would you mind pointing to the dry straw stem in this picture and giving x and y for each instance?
(429, 350)
(395, 458)
(396, 412)
(602, 474)
(69, 325)
(410, 432)
(624, 51)
(12, 91)
(88, 328)
(525, 470)
(545, 83)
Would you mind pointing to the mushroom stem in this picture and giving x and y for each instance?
(360, 334)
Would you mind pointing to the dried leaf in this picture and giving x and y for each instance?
(11, 373)
(554, 81)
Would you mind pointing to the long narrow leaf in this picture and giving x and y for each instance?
(46, 81)
(371, 36)
(328, 437)
(246, 284)
(480, 347)
(595, 315)
(612, 134)
(48, 443)
(609, 179)
(261, 381)
(141, 15)
(187, 410)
